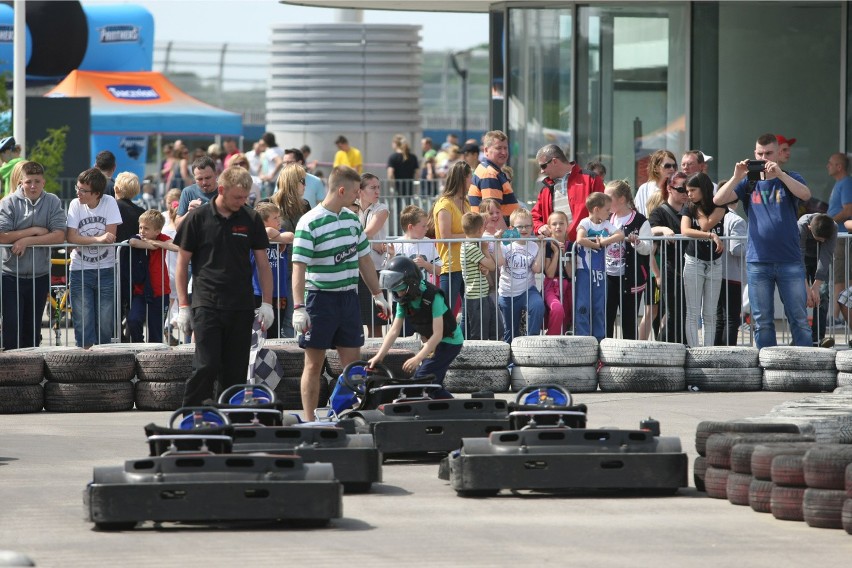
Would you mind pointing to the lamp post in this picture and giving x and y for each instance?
(461, 61)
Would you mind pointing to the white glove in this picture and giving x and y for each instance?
(382, 304)
(184, 320)
(301, 320)
(267, 316)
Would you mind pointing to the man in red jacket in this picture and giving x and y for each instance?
(566, 188)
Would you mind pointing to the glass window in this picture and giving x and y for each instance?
(631, 85)
(539, 89)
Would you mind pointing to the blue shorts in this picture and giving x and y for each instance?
(335, 320)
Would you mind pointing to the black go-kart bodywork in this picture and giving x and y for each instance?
(406, 423)
(549, 448)
(193, 475)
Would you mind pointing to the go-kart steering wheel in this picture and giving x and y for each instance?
(544, 395)
(236, 395)
(191, 417)
(354, 376)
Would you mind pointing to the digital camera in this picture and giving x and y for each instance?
(756, 169)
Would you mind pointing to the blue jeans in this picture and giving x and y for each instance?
(23, 305)
(511, 310)
(790, 279)
(437, 366)
(92, 305)
(154, 311)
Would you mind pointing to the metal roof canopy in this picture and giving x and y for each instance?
(480, 6)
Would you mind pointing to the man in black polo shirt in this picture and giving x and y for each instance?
(218, 238)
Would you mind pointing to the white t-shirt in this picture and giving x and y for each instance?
(424, 249)
(92, 222)
(366, 216)
(516, 275)
(560, 198)
(643, 194)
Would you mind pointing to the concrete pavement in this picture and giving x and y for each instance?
(413, 518)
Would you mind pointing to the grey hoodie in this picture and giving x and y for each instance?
(18, 212)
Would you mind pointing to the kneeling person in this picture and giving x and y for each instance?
(423, 305)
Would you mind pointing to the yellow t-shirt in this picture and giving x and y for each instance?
(351, 158)
(449, 251)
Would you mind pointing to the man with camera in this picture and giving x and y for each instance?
(771, 200)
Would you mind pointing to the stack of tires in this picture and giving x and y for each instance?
(719, 479)
(707, 428)
(762, 486)
(20, 382)
(829, 416)
(788, 491)
(723, 369)
(93, 380)
(564, 360)
(846, 514)
(641, 366)
(798, 369)
(480, 366)
(162, 378)
(824, 469)
(843, 362)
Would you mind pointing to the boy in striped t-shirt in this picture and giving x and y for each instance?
(329, 250)
(480, 314)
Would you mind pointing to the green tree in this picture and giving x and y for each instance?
(50, 153)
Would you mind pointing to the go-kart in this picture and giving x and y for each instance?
(258, 426)
(404, 421)
(191, 476)
(549, 448)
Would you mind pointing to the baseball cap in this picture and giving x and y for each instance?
(7, 143)
(470, 149)
(782, 140)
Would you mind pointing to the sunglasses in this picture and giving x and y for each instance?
(547, 163)
(302, 181)
(669, 166)
(679, 188)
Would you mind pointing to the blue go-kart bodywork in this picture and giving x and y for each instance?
(549, 448)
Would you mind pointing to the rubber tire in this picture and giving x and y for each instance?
(90, 366)
(785, 503)
(733, 357)
(737, 488)
(707, 428)
(475, 380)
(132, 347)
(554, 351)
(720, 446)
(844, 378)
(184, 347)
(699, 471)
(152, 395)
(393, 360)
(164, 366)
(846, 515)
(634, 353)
(825, 466)
(88, 397)
(727, 379)
(575, 379)
(760, 495)
(788, 471)
(789, 358)
(823, 508)
(641, 379)
(789, 380)
(481, 354)
(22, 399)
(20, 369)
(761, 458)
(741, 457)
(291, 357)
(716, 482)
(843, 361)
(289, 393)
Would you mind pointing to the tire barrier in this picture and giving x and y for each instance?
(641, 366)
(480, 366)
(94, 380)
(798, 369)
(563, 360)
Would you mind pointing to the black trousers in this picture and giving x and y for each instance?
(728, 313)
(673, 306)
(222, 344)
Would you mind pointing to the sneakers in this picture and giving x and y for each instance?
(827, 343)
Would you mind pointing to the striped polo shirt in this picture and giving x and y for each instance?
(330, 246)
(475, 282)
(490, 181)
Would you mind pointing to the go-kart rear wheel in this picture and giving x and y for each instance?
(357, 487)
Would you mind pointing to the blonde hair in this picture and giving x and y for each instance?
(519, 213)
(287, 197)
(472, 223)
(172, 203)
(235, 177)
(489, 202)
(621, 188)
(126, 185)
(154, 218)
(557, 214)
(16, 176)
(266, 209)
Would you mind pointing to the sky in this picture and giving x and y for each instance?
(249, 21)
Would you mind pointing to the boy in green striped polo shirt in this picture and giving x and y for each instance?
(480, 313)
(329, 250)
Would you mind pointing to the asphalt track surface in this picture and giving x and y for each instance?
(412, 518)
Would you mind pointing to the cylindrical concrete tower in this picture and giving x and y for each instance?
(359, 80)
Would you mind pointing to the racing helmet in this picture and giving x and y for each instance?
(402, 277)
